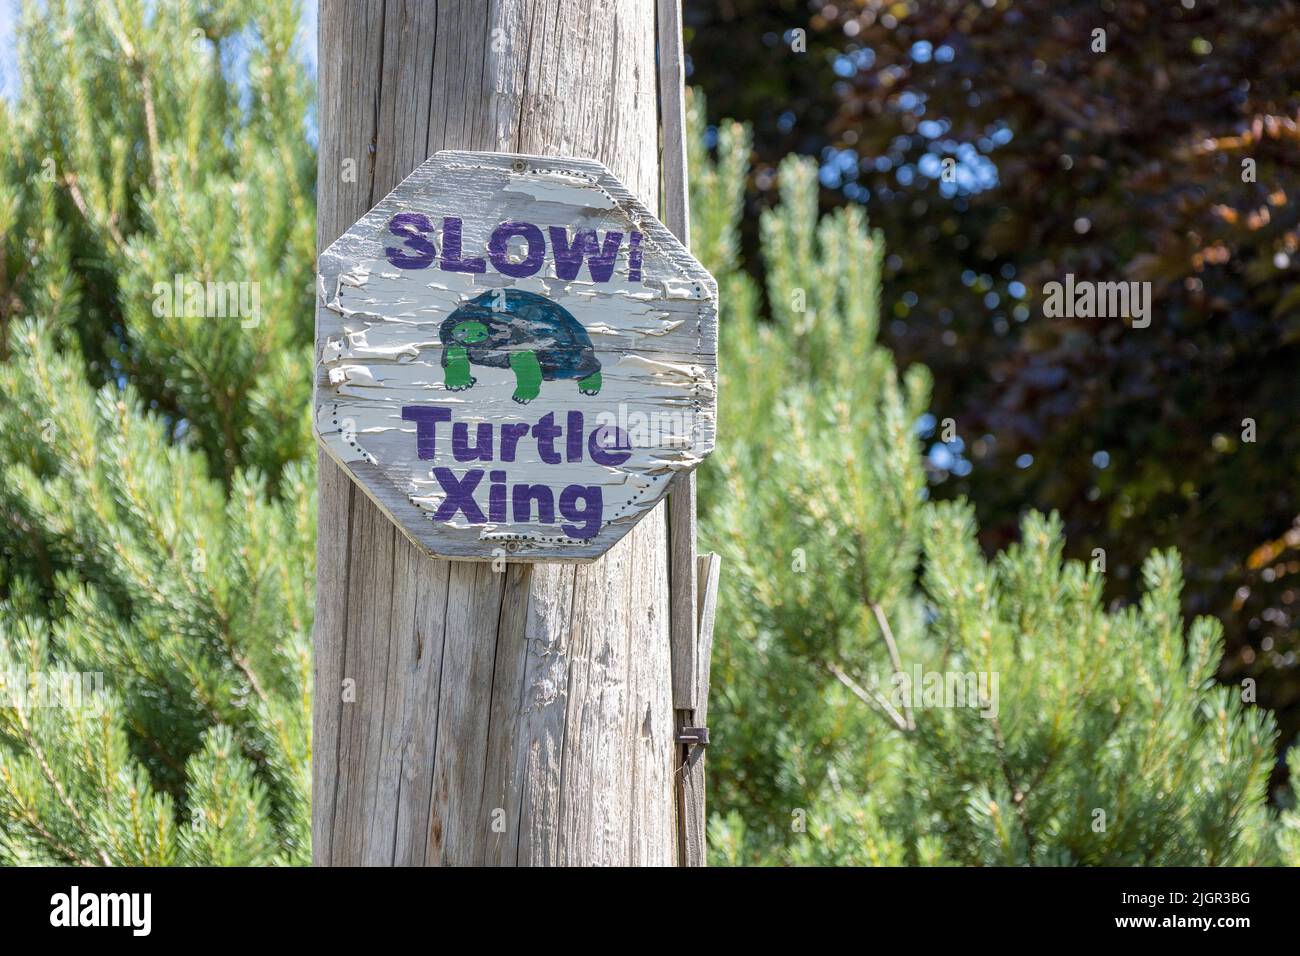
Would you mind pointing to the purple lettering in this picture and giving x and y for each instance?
(499, 245)
(634, 257)
(573, 437)
(546, 431)
(410, 226)
(426, 420)
(589, 514)
(497, 496)
(482, 450)
(511, 432)
(460, 495)
(599, 445)
(569, 256)
(451, 260)
(524, 496)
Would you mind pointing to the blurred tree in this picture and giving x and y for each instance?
(155, 477)
(998, 149)
(1057, 732)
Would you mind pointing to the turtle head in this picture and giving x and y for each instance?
(469, 332)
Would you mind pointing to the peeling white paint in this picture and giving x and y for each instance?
(380, 351)
(563, 190)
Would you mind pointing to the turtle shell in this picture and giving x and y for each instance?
(525, 320)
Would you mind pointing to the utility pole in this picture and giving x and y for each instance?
(467, 712)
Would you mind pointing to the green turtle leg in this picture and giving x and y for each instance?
(589, 385)
(458, 376)
(528, 376)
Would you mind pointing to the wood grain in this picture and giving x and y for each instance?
(692, 603)
(675, 203)
(464, 714)
(692, 819)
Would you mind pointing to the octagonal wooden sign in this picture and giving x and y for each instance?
(513, 357)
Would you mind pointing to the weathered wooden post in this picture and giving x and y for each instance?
(474, 711)
(692, 582)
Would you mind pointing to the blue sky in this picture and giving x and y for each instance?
(9, 86)
(8, 49)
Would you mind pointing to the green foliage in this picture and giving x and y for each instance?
(157, 491)
(163, 169)
(1122, 165)
(155, 475)
(1082, 735)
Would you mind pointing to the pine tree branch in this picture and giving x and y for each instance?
(134, 486)
(54, 843)
(78, 200)
(886, 631)
(10, 302)
(241, 663)
(150, 124)
(31, 819)
(38, 753)
(1017, 795)
(156, 747)
(870, 697)
(894, 658)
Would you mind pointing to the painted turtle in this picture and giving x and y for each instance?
(523, 331)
